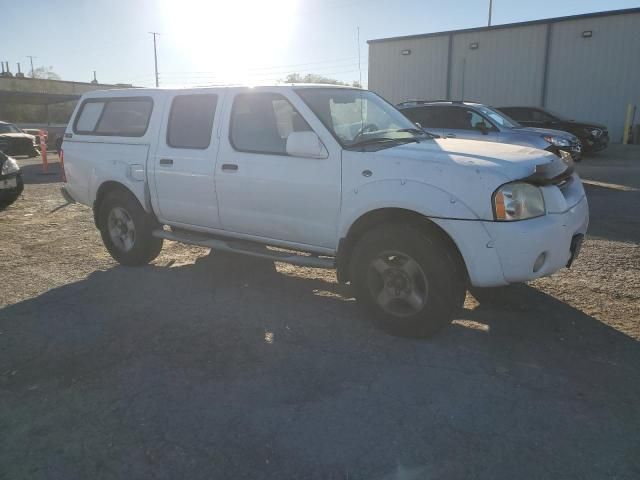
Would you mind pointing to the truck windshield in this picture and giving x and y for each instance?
(358, 117)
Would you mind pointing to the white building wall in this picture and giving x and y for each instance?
(591, 79)
(421, 75)
(506, 68)
(594, 79)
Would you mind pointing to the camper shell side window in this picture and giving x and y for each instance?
(114, 116)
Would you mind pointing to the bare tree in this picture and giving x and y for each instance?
(46, 73)
(316, 78)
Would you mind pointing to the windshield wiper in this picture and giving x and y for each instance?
(383, 140)
(418, 131)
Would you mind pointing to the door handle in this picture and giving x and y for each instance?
(450, 135)
(166, 161)
(229, 167)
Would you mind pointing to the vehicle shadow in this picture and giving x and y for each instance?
(33, 173)
(229, 367)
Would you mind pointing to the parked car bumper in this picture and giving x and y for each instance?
(15, 147)
(11, 187)
(500, 253)
(591, 145)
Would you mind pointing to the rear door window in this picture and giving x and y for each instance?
(191, 121)
(456, 118)
(122, 116)
(519, 114)
(427, 117)
(540, 116)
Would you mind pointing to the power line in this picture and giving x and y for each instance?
(205, 81)
(274, 69)
(327, 70)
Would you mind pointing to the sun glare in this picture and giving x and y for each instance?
(229, 41)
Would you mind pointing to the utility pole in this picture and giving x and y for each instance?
(31, 57)
(359, 64)
(490, 8)
(155, 56)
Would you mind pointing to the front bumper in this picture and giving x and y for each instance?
(575, 150)
(596, 144)
(500, 253)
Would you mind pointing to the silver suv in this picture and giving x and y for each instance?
(474, 121)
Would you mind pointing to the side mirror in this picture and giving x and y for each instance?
(305, 144)
(418, 125)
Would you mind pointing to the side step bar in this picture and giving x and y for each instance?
(245, 248)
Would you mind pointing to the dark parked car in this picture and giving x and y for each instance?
(594, 136)
(11, 184)
(474, 121)
(14, 141)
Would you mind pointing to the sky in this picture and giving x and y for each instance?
(205, 42)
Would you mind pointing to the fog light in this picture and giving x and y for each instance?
(539, 262)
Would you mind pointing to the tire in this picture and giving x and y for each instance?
(126, 230)
(408, 279)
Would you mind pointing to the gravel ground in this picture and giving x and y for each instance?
(215, 366)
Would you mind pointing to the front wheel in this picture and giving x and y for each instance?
(407, 279)
(126, 230)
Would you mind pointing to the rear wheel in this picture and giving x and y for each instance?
(408, 280)
(126, 229)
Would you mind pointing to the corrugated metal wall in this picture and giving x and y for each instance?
(505, 68)
(589, 79)
(595, 78)
(423, 74)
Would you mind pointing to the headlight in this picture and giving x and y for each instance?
(517, 201)
(557, 141)
(9, 166)
(596, 132)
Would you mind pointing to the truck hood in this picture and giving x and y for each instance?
(17, 135)
(511, 162)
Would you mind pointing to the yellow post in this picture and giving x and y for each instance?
(627, 125)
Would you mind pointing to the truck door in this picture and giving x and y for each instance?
(184, 161)
(265, 192)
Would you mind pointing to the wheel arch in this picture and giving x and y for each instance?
(103, 190)
(378, 216)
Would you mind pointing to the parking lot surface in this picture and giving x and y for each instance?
(216, 366)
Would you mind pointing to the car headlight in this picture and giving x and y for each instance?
(557, 141)
(9, 166)
(517, 201)
(596, 132)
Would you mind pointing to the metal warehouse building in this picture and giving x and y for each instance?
(584, 66)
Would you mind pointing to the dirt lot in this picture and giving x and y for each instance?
(214, 366)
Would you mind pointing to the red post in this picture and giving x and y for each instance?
(62, 174)
(43, 151)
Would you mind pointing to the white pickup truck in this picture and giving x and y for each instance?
(328, 177)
